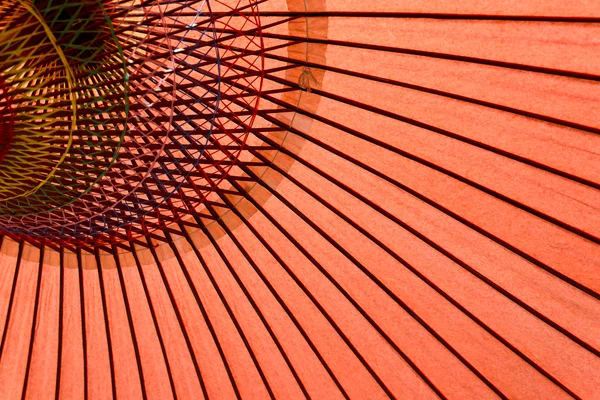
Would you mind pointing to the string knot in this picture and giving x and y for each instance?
(307, 80)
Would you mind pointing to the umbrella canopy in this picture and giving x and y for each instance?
(299, 199)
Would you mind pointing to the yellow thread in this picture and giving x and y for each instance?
(70, 83)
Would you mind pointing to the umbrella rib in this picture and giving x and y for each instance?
(492, 149)
(179, 318)
(424, 89)
(444, 56)
(276, 295)
(106, 324)
(445, 171)
(132, 331)
(11, 298)
(440, 16)
(437, 130)
(36, 305)
(154, 319)
(439, 207)
(431, 128)
(438, 168)
(286, 268)
(61, 302)
(398, 301)
(253, 303)
(572, 337)
(83, 325)
(201, 306)
(413, 231)
(414, 193)
(232, 317)
(345, 294)
(348, 297)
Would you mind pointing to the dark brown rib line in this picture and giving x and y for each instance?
(11, 299)
(413, 231)
(443, 56)
(230, 313)
(425, 199)
(131, 325)
(434, 166)
(441, 16)
(61, 303)
(347, 296)
(106, 326)
(36, 306)
(179, 318)
(255, 306)
(154, 320)
(397, 300)
(274, 291)
(194, 291)
(449, 298)
(83, 325)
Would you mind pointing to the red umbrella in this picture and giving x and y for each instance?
(299, 199)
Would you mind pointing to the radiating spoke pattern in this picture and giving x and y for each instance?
(302, 199)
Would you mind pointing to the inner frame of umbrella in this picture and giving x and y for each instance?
(155, 120)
